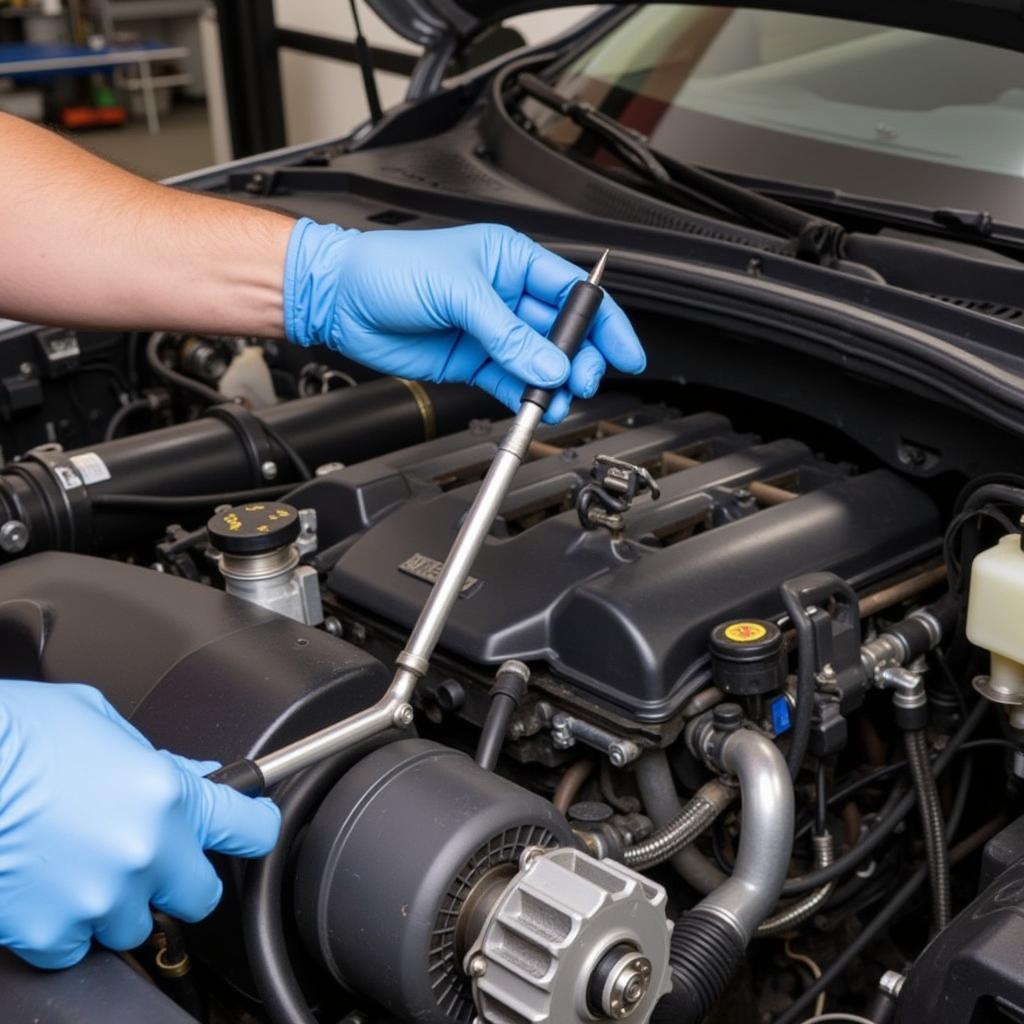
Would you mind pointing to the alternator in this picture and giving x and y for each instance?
(572, 939)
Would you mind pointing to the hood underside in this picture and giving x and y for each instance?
(999, 23)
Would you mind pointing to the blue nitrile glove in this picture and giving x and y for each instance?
(97, 827)
(468, 304)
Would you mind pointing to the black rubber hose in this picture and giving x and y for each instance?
(821, 800)
(879, 924)
(508, 690)
(122, 414)
(803, 710)
(880, 774)
(889, 820)
(263, 922)
(704, 954)
(197, 389)
(932, 825)
(171, 502)
(293, 456)
(495, 728)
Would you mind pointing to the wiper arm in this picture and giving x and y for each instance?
(816, 239)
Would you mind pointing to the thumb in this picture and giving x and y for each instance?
(511, 342)
(227, 821)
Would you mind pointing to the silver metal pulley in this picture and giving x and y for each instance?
(571, 940)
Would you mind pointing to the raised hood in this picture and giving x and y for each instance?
(450, 24)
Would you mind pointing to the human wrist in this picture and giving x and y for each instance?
(312, 276)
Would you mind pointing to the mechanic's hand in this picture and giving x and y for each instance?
(465, 304)
(97, 827)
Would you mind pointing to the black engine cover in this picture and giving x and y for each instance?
(971, 971)
(626, 619)
(199, 672)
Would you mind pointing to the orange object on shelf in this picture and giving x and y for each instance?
(77, 118)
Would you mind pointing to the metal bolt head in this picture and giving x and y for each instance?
(333, 626)
(269, 470)
(477, 966)
(622, 752)
(27, 369)
(404, 716)
(13, 537)
(891, 983)
(626, 986)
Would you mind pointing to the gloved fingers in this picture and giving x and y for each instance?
(509, 341)
(559, 407)
(228, 822)
(56, 957)
(49, 938)
(539, 315)
(197, 768)
(126, 926)
(589, 365)
(500, 384)
(187, 887)
(550, 278)
(613, 334)
(587, 370)
(508, 389)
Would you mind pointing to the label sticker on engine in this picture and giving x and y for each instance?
(745, 632)
(91, 467)
(68, 478)
(428, 570)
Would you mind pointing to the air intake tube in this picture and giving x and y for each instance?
(114, 492)
(709, 941)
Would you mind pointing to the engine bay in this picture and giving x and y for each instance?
(665, 761)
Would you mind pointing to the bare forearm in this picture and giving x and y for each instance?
(86, 244)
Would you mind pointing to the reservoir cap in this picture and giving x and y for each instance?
(748, 656)
(254, 528)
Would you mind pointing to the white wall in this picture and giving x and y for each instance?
(324, 97)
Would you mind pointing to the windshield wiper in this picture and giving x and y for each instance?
(815, 239)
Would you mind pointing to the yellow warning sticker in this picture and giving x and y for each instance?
(745, 632)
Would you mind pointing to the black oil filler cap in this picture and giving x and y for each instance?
(254, 528)
(748, 656)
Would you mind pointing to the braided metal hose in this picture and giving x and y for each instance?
(932, 825)
(696, 816)
(798, 912)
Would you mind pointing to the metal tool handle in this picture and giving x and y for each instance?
(393, 709)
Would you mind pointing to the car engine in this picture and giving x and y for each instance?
(680, 748)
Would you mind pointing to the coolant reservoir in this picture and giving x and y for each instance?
(249, 377)
(995, 620)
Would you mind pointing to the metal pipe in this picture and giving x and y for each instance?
(766, 839)
(571, 783)
(874, 603)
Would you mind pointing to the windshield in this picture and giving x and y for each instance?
(810, 100)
